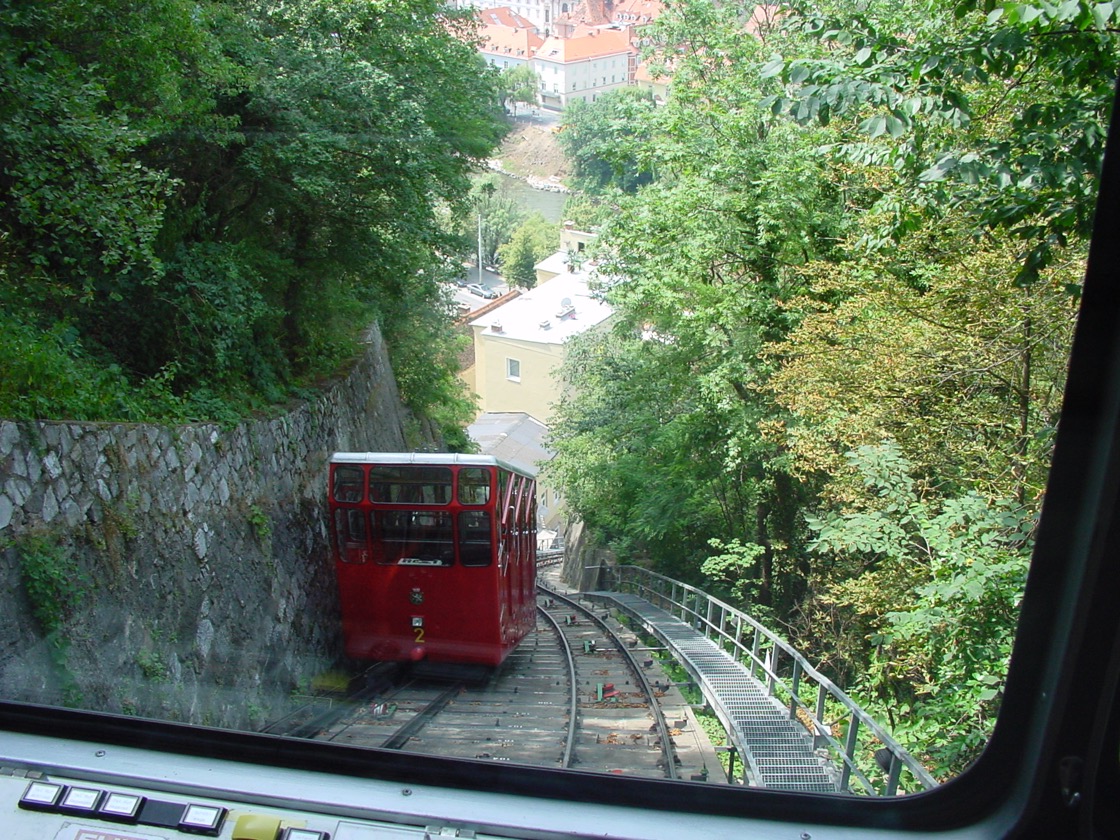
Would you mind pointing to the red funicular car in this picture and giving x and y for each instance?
(435, 555)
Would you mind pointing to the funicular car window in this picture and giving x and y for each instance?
(474, 486)
(410, 485)
(415, 538)
(350, 531)
(474, 537)
(347, 484)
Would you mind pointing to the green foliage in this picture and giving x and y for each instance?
(262, 526)
(494, 217)
(530, 243)
(205, 203)
(999, 108)
(605, 140)
(519, 85)
(959, 564)
(863, 225)
(53, 581)
(936, 347)
(734, 572)
(425, 356)
(151, 665)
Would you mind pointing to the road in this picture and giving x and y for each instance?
(490, 279)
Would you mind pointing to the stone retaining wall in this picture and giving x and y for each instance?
(185, 570)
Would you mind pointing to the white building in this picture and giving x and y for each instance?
(519, 346)
(504, 45)
(542, 13)
(584, 66)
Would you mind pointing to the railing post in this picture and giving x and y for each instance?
(822, 694)
(755, 650)
(849, 751)
(795, 684)
(893, 774)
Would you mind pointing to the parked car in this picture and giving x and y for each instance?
(481, 291)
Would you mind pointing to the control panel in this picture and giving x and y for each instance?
(40, 806)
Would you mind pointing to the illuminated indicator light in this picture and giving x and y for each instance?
(202, 819)
(80, 800)
(418, 621)
(304, 834)
(41, 796)
(256, 827)
(122, 807)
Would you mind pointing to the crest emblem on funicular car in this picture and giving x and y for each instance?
(416, 596)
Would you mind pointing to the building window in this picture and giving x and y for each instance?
(513, 370)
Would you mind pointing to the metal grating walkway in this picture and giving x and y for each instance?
(778, 752)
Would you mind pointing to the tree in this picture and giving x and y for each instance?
(936, 347)
(217, 197)
(938, 599)
(493, 217)
(531, 242)
(1000, 110)
(884, 414)
(638, 458)
(605, 140)
(519, 84)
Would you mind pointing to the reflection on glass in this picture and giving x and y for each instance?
(474, 486)
(410, 485)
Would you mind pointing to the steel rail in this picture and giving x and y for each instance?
(421, 719)
(655, 707)
(573, 709)
(375, 680)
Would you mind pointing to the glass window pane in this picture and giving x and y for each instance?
(415, 538)
(474, 537)
(347, 484)
(474, 486)
(350, 535)
(410, 485)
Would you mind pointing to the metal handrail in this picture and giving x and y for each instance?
(762, 658)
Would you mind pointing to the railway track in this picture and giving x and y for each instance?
(570, 695)
(621, 725)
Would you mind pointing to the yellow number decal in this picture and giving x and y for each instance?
(419, 635)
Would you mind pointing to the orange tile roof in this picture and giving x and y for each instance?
(637, 11)
(503, 16)
(506, 41)
(595, 44)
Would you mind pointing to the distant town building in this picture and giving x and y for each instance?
(542, 13)
(655, 83)
(518, 438)
(519, 345)
(585, 65)
(507, 40)
(636, 12)
(579, 50)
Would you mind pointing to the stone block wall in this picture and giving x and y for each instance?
(182, 572)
